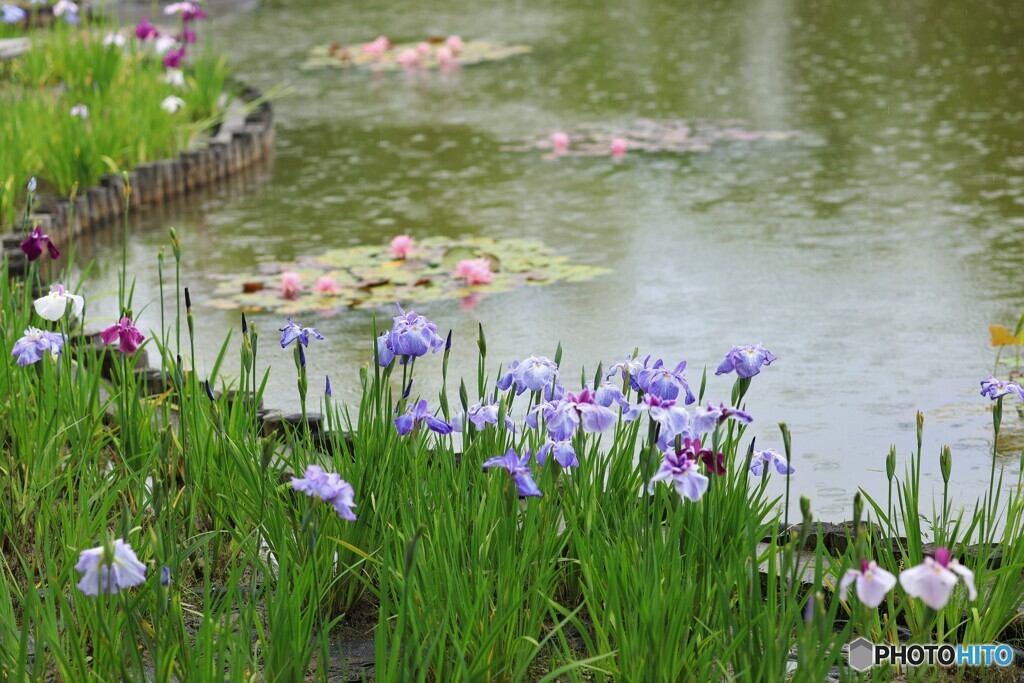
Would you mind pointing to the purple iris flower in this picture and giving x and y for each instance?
(103, 574)
(12, 14)
(994, 388)
(519, 469)
(327, 387)
(506, 381)
(682, 473)
(174, 57)
(145, 30)
(413, 335)
(485, 412)
(770, 457)
(330, 488)
(673, 419)
(188, 36)
(32, 246)
(630, 369)
(562, 417)
(706, 419)
(665, 383)
(536, 373)
(418, 414)
(35, 344)
(293, 331)
(125, 333)
(165, 576)
(746, 361)
(384, 353)
(608, 393)
(565, 454)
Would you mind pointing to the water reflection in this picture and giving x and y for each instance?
(870, 255)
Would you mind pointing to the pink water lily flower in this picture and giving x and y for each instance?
(327, 285)
(560, 142)
(408, 58)
(873, 583)
(445, 57)
(291, 283)
(474, 271)
(401, 246)
(424, 48)
(377, 47)
(618, 148)
(454, 44)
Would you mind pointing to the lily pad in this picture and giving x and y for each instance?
(370, 277)
(672, 136)
(431, 54)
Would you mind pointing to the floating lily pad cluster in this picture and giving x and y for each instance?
(370, 276)
(675, 136)
(430, 54)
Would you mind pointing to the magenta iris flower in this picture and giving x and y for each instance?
(771, 457)
(565, 454)
(145, 30)
(188, 36)
(32, 246)
(994, 388)
(109, 575)
(328, 487)
(706, 419)
(694, 450)
(125, 333)
(519, 469)
(665, 383)
(174, 57)
(35, 344)
(412, 335)
(682, 473)
(193, 12)
(419, 414)
(293, 331)
(745, 361)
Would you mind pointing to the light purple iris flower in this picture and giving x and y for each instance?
(565, 454)
(933, 580)
(12, 14)
(629, 369)
(562, 417)
(745, 361)
(35, 344)
(103, 575)
(873, 583)
(706, 419)
(665, 383)
(770, 457)
(682, 473)
(673, 419)
(519, 469)
(536, 373)
(418, 414)
(412, 335)
(483, 412)
(293, 331)
(328, 487)
(384, 353)
(994, 388)
(608, 393)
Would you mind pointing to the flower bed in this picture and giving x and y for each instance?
(83, 105)
(520, 525)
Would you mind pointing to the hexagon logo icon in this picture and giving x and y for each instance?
(862, 654)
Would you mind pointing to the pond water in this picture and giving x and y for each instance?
(870, 254)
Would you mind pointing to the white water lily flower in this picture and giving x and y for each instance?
(873, 583)
(175, 77)
(172, 104)
(933, 580)
(54, 305)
